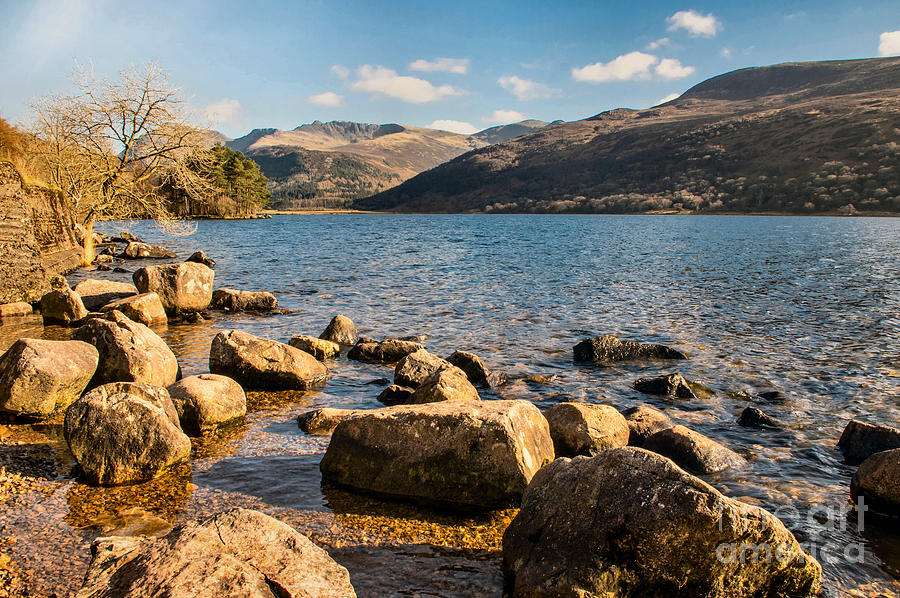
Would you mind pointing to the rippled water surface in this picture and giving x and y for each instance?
(807, 306)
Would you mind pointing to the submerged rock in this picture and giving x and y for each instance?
(388, 351)
(752, 417)
(668, 385)
(395, 395)
(323, 421)
(145, 308)
(201, 258)
(207, 401)
(609, 349)
(185, 287)
(62, 305)
(449, 383)
(861, 440)
(15, 310)
(476, 370)
(878, 480)
(414, 368)
(235, 554)
(583, 429)
(341, 330)
(317, 347)
(693, 451)
(96, 293)
(261, 363)
(643, 422)
(232, 300)
(137, 250)
(631, 523)
(453, 453)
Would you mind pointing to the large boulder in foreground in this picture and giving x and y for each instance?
(62, 305)
(583, 429)
(265, 364)
(185, 287)
(412, 370)
(643, 422)
(95, 293)
(234, 300)
(136, 250)
(458, 454)
(861, 440)
(388, 351)
(317, 347)
(233, 554)
(207, 401)
(609, 349)
(693, 451)
(39, 377)
(145, 308)
(878, 481)
(129, 351)
(630, 523)
(448, 383)
(341, 330)
(124, 432)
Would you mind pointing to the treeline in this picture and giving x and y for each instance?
(241, 183)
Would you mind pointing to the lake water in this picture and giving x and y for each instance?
(806, 306)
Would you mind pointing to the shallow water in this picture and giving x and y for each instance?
(807, 306)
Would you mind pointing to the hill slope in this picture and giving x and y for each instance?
(799, 137)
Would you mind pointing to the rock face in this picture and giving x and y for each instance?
(63, 306)
(449, 383)
(583, 429)
(237, 553)
(454, 453)
(145, 308)
(861, 440)
(609, 349)
(138, 250)
(96, 293)
(261, 363)
(878, 480)
(388, 351)
(752, 417)
(15, 310)
(341, 330)
(323, 421)
(232, 300)
(124, 432)
(207, 401)
(129, 351)
(668, 385)
(39, 377)
(201, 258)
(631, 523)
(182, 288)
(414, 368)
(395, 395)
(643, 422)
(317, 347)
(476, 370)
(693, 451)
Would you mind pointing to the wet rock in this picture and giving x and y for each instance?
(96, 293)
(137, 250)
(378, 382)
(861, 440)
(207, 401)
(752, 417)
(668, 385)
(201, 258)
(62, 305)
(40, 377)
(609, 349)
(182, 287)
(129, 351)
(323, 421)
(232, 300)
(583, 429)
(123, 433)
(412, 370)
(388, 351)
(631, 523)
(476, 370)
(341, 330)
(236, 553)
(878, 480)
(15, 310)
(261, 363)
(693, 451)
(146, 308)
(103, 268)
(643, 422)
(395, 395)
(453, 453)
(449, 383)
(120, 270)
(771, 396)
(317, 347)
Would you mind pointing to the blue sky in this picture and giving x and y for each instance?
(461, 65)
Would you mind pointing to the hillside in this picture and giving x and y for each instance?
(801, 137)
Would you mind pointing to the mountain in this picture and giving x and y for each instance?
(502, 133)
(817, 137)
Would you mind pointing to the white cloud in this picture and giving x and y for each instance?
(504, 117)
(668, 98)
(656, 45)
(328, 98)
(385, 81)
(340, 71)
(634, 65)
(223, 111)
(454, 126)
(725, 53)
(696, 24)
(889, 43)
(525, 89)
(458, 66)
(671, 68)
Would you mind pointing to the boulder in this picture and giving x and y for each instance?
(236, 553)
(878, 480)
(129, 351)
(583, 429)
(412, 370)
(145, 308)
(388, 351)
(643, 422)
(317, 347)
(341, 330)
(323, 421)
(468, 454)
(96, 293)
(261, 363)
(693, 451)
(449, 383)
(201, 258)
(40, 377)
(232, 300)
(181, 287)
(62, 305)
(476, 370)
(136, 250)
(15, 310)
(667, 385)
(609, 349)
(752, 417)
(123, 432)
(631, 523)
(861, 440)
(395, 395)
(207, 401)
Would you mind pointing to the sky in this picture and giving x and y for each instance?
(461, 65)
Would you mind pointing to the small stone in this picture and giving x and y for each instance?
(753, 417)
(96, 293)
(323, 421)
(201, 258)
(265, 364)
(63, 305)
(609, 349)
(207, 401)
(412, 370)
(693, 451)
(395, 395)
(643, 422)
(145, 308)
(878, 481)
(232, 300)
(13, 310)
(388, 351)
(317, 347)
(861, 440)
(584, 429)
(341, 330)
(476, 370)
(449, 383)
(137, 250)
(668, 385)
